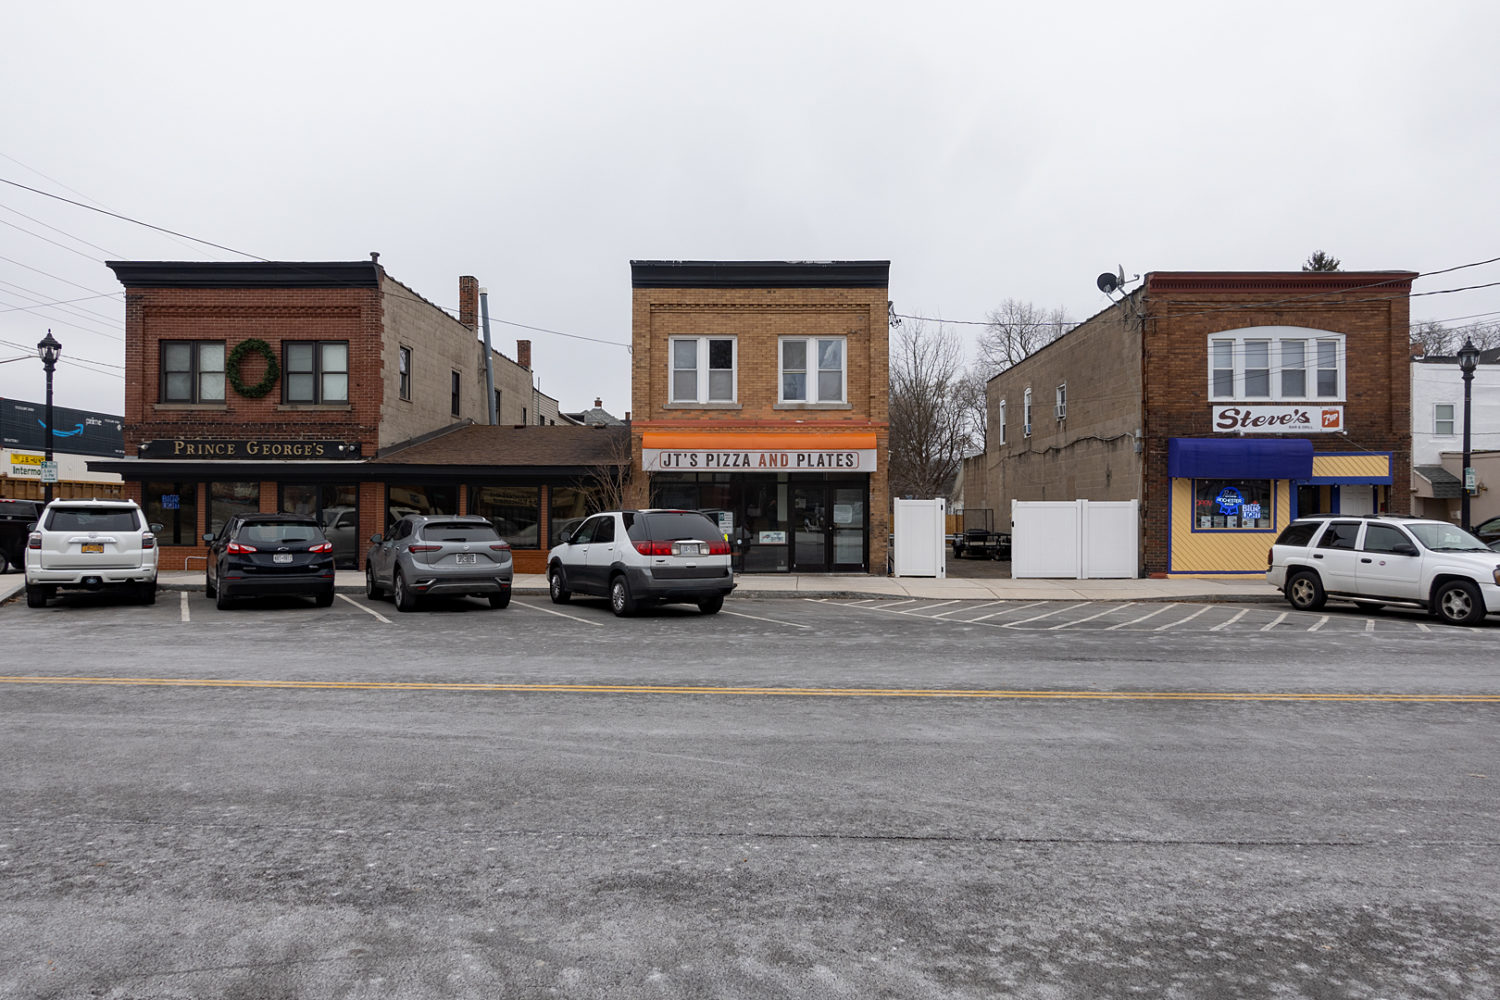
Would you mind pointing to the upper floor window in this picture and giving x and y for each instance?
(316, 371)
(1062, 402)
(455, 386)
(703, 370)
(403, 367)
(192, 371)
(1275, 363)
(813, 370)
(1026, 413)
(1442, 419)
(1000, 416)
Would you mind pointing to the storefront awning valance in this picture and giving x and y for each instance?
(1239, 458)
(746, 451)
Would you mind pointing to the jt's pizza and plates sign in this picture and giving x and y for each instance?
(254, 449)
(1278, 419)
(740, 460)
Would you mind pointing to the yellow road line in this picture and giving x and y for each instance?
(816, 692)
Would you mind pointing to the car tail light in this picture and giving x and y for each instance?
(423, 548)
(649, 548)
(500, 546)
(239, 547)
(719, 548)
(34, 540)
(148, 541)
(322, 547)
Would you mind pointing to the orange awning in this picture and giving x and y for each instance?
(730, 441)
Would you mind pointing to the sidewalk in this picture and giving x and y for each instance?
(1251, 588)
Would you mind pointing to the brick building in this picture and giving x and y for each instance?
(760, 393)
(290, 386)
(1228, 403)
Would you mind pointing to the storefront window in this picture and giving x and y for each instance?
(566, 509)
(515, 511)
(1232, 504)
(405, 498)
(337, 506)
(228, 499)
(174, 506)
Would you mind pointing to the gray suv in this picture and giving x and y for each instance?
(439, 554)
(637, 557)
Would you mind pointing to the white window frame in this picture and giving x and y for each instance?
(1313, 348)
(1026, 413)
(811, 373)
(1002, 421)
(700, 396)
(1062, 401)
(1438, 421)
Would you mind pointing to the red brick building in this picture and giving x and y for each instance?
(1228, 403)
(294, 386)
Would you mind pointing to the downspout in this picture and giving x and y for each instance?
(489, 359)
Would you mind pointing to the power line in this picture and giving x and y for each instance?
(62, 302)
(61, 232)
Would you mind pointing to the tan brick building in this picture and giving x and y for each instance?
(286, 385)
(760, 392)
(1226, 402)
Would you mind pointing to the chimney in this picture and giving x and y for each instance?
(523, 354)
(598, 403)
(1418, 349)
(468, 302)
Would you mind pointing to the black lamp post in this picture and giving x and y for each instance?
(1468, 360)
(49, 350)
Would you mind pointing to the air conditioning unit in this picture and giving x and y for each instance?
(1062, 411)
(1026, 430)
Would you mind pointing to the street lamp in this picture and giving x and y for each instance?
(49, 350)
(1468, 360)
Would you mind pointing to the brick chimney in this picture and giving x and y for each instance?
(468, 302)
(598, 403)
(523, 354)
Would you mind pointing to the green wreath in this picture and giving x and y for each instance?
(232, 368)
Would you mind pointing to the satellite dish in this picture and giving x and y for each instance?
(1107, 282)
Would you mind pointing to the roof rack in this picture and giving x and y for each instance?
(1389, 517)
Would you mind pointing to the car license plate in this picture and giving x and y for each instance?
(93, 546)
(282, 557)
(687, 548)
(467, 558)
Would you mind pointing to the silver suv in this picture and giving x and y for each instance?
(637, 557)
(91, 545)
(1376, 560)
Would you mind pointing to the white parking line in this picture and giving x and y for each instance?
(940, 604)
(1424, 628)
(1369, 624)
(1321, 622)
(1106, 611)
(184, 614)
(882, 607)
(1037, 618)
(1277, 621)
(1182, 621)
(368, 611)
(969, 607)
(1223, 625)
(1164, 607)
(533, 607)
(773, 621)
(1007, 611)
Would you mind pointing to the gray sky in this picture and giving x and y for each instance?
(989, 151)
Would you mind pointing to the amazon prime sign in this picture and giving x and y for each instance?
(77, 432)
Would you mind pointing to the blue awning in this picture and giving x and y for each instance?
(1239, 458)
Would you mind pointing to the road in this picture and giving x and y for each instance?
(789, 799)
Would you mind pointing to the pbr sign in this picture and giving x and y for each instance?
(740, 460)
(1279, 419)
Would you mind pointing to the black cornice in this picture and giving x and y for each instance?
(759, 274)
(245, 274)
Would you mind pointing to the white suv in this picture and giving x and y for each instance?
(1374, 560)
(637, 557)
(91, 545)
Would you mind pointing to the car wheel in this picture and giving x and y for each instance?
(405, 599)
(1458, 602)
(500, 600)
(1368, 605)
(620, 600)
(1305, 591)
(324, 598)
(555, 589)
(36, 597)
(372, 589)
(221, 598)
(147, 592)
(711, 605)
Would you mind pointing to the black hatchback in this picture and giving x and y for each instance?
(267, 555)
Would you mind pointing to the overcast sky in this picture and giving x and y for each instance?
(987, 150)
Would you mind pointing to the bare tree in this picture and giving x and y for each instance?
(971, 398)
(1015, 331)
(1443, 341)
(929, 423)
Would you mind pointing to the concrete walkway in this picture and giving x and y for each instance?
(1250, 588)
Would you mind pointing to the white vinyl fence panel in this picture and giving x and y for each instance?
(920, 538)
(1075, 540)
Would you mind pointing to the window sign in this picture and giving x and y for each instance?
(171, 501)
(1229, 500)
(1232, 504)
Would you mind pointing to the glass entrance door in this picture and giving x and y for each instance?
(828, 527)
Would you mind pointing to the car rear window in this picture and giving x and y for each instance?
(91, 519)
(459, 531)
(671, 525)
(1299, 533)
(278, 532)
